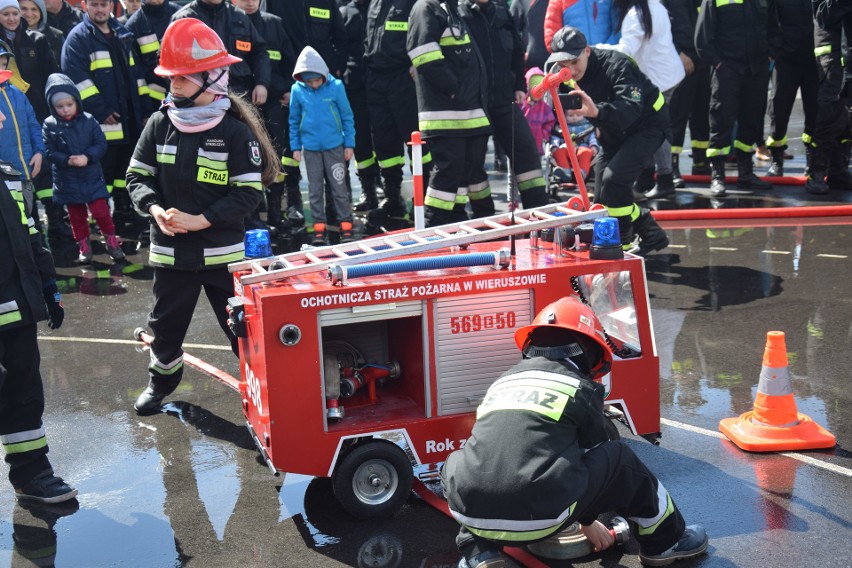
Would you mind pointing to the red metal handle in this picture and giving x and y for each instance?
(551, 80)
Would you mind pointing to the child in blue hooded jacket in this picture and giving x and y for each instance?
(323, 130)
(75, 147)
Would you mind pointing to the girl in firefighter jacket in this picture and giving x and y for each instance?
(198, 169)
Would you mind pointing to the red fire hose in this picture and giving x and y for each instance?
(774, 180)
(753, 213)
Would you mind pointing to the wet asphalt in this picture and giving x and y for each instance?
(186, 487)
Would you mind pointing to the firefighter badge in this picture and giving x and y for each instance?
(254, 152)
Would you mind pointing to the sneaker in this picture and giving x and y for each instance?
(692, 543)
(85, 252)
(113, 247)
(46, 488)
(320, 236)
(346, 232)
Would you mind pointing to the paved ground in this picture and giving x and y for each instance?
(186, 487)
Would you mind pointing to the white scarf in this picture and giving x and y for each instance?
(199, 118)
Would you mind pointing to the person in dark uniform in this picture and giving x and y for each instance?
(354, 80)
(28, 295)
(632, 117)
(529, 19)
(451, 101)
(148, 24)
(691, 100)
(319, 24)
(561, 467)
(829, 166)
(791, 41)
(493, 29)
(62, 15)
(731, 37)
(392, 100)
(197, 170)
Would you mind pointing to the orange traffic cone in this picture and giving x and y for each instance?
(775, 424)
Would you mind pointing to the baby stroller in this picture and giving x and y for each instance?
(558, 173)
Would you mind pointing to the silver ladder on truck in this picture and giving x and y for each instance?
(412, 242)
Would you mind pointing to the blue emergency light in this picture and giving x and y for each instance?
(258, 244)
(606, 240)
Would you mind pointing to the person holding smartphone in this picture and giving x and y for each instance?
(632, 119)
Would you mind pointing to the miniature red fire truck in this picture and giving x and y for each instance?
(364, 360)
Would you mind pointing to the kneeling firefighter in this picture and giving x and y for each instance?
(563, 467)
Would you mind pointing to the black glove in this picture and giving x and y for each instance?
(55, 311)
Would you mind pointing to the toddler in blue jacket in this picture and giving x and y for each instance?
(323, 131)
(75, 147)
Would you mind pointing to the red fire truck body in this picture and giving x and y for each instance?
(436, 339)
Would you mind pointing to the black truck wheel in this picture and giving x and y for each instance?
(373, 480)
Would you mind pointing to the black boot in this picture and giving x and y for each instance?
(838, 168)
(818, 168)
(482, 207)
(368, 198)
(665, 187)
(651, 236)
(393, 205)
(677, 179)
(151, 398)
(643, 184)
(717, 182)
(777, 167)
(700, 163)
(294, 197)
(745, 173)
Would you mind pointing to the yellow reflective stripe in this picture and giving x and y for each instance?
(392, 26)
(727, 2)
(210, 163)
(100, 60)
(224, 258)
(367, 163)
(822, 50)
(208, 175)
(450, 40)
(438, 203)
(156, 92)
(661, 100)
(161, 258)
(700, 144)
(148, 44)
(807, 138)
(652, 528)
(458, 124)
(112, 131)
(677, 149)
(427, 158)
(427, 57)
(274, 55)
(27, 446)
(252, 184)
(714, 152)
(10, 317)
(320, 13)
(390, 162)
(165, 158)
(139, 171)
(742, 146)
(43, 193)
(621, 211)
(523, 536)
(773, 143)
(535, 182)
(120, 183)
(289, 162)
(88, 92)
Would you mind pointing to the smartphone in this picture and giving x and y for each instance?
(570, 102)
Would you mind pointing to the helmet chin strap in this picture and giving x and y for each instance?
(186, 102)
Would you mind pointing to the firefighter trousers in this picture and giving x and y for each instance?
(513, 133)
(392, 107)
(618, 166)
(274, 117)
(175, 297)
(365, 158)
(458, 177)
(689, 105)
(832, 119)
(736, 97)
(22, 405)
(790, 77)
(619, 482)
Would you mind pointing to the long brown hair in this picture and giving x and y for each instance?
(249, 114)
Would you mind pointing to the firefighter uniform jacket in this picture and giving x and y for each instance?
(240, 37)
(65, 20)
(733, 32)
(354, 15)
(108, 81)
(684, 15)
(26, 267)
(148, 24)
(451, 79)
(792, 36)
(317, 23)
(387, 29)
(524, 491)
(216, 173)
(627, 100)
(282, 54)
(493, 29)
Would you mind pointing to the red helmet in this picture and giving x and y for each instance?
(189, 46)
(571, 314)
